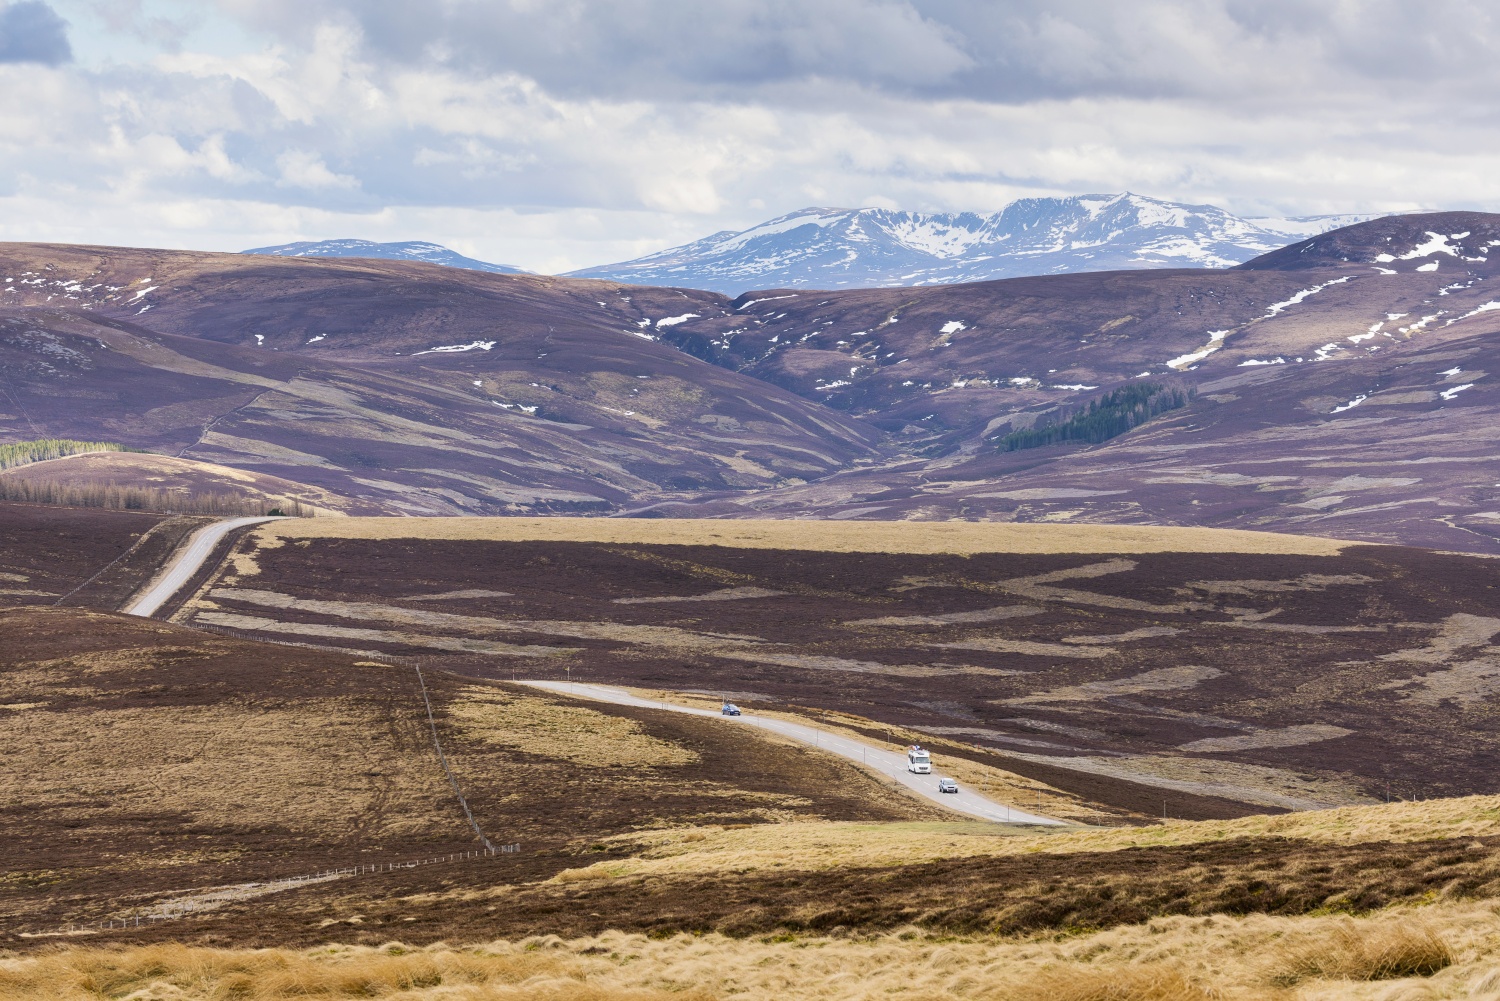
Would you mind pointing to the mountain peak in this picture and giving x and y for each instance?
(409, 250)
(830, 248)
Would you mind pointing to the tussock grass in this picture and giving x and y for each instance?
(1388, 950)
(958, 537)
(823, 845)
(1149, 982)
(1168, 959)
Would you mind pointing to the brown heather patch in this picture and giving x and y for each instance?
(824, 536)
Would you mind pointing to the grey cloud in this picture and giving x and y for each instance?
(1000, 51)
(32, 32)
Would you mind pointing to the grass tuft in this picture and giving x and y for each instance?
(1388, 950)
(1142, 982)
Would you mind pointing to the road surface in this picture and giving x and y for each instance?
(888, 763)
(186, 561)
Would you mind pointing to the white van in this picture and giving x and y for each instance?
(918, 761)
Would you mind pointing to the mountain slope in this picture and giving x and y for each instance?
(1345, 394)
(862, 248)
(415, 388)
(430, 253)
(1340, 389)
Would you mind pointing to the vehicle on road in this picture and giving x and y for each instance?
(947, 785)
(918, 761)
(730, 709)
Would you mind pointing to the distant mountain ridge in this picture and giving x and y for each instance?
(832, 248)
(410, 250)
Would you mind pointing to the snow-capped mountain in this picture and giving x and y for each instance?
(410, 250)
(861, 248)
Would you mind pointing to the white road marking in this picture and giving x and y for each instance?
(188, 561)
(886, 762)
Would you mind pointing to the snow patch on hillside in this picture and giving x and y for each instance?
(455, 348)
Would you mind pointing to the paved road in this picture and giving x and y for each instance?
(888, 763)
(187, 561)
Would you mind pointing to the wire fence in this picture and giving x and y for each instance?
(176, 908)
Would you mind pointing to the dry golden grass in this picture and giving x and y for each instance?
(958, 537)
(1442, 951)
(823, 845)
(570, 732)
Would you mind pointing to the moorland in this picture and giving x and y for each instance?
(318, 771)
(1334, 386)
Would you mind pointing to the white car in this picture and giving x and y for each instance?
(947, 785)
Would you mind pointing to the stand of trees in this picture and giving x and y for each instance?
(1112, 414)
(26, 452)
(114, 497)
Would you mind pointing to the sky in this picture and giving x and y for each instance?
(558, 134)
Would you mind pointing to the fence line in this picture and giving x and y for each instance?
(432, 722)
(190, 905)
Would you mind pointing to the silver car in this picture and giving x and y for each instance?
(947, 785)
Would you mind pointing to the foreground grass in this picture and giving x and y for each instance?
(1446, 950)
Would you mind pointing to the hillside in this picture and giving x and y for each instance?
(409, 387)
(827, 248)
(193, 812)
(1338, 392)
(1337, 387)
(173, 484)
(1123, 666)
(144, 763)
(410, 250)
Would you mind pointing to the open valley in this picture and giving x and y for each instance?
(1019, 595)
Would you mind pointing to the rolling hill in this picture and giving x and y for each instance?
(410, 387)
(410, 250)
(1337, 386)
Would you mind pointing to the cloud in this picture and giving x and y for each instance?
(1004, 51)
(560, 133)
(32, 32)
(302, 169)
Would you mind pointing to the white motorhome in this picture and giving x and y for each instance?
(918, 760)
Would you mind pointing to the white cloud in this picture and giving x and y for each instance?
(301, 169)
(562, 134)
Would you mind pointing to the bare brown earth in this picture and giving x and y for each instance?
(1273, 680)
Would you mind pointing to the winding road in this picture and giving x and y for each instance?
(186, 561)
(888, 763)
